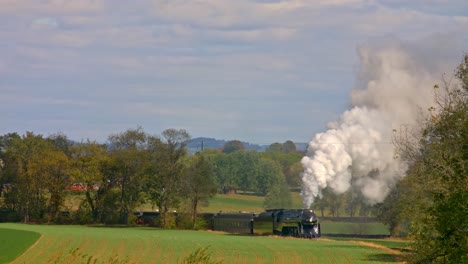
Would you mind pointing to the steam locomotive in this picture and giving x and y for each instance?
(284, 222)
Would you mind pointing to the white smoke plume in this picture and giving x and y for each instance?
(357, 150)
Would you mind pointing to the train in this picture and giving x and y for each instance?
(283, 222)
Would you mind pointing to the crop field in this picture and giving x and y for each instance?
(82, 244)
(372, 228)
(14, 242)
(235, 203)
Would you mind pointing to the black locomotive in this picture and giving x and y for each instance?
(284, 222)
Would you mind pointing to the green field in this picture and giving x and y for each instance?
(372, 228)
(14, 242)
(81, 244)
(235, 203)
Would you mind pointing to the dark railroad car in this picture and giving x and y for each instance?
(284, 222)
(239, 223)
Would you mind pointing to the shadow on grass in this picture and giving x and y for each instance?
(381, 257)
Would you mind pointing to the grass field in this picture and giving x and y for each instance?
(81, 244)
(235, 203)
(372, 228)
(14, 242)
(392, 243)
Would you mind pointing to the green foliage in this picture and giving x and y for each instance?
(83, 215)
(290, 165)
(275, 147)
(233, 146)
(38, 173)
(286, 147)
(127, 166)
(200, 256)
(198, 184)
(278, 197)
(166, 169)
(437, 183)
(88, 163)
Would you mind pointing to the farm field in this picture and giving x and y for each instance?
(82, 244)
(220, 202)
(344, 228)
(14, 242)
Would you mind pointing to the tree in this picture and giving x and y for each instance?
(245, 168)
(24, 157)
(439, 177)
(288, 147)
(232, 146)
(275, 147)
(198, 184)
(278, 197)
(7, 173)
(290, 164)
(60, 142)
(223, 170)
(167, 156)
(269, 175)
(54, 169)
(88, 161)
(127, 153)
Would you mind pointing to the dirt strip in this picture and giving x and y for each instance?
(396, 253)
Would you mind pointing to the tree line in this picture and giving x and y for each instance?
(133, 168)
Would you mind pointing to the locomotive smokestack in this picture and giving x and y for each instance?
(357, 150)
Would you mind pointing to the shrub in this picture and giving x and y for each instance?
(200, 256)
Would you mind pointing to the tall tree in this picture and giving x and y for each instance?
(88, 160)
(275, 147)
(269, 175)
(288, 147)
(167, 167)
(290, 164)
(278, 196)
(54, 169)
(127, 153)
(439, 176)
(224, 170)
(245, 168)
(7, 173)
(233, 146)
(198, 183)
(23, 158)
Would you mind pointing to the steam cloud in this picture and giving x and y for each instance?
(357, 150)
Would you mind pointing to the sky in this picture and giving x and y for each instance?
(260, 71)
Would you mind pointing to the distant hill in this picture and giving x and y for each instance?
(196, 144)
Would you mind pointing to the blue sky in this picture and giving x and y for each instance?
(258, 71)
